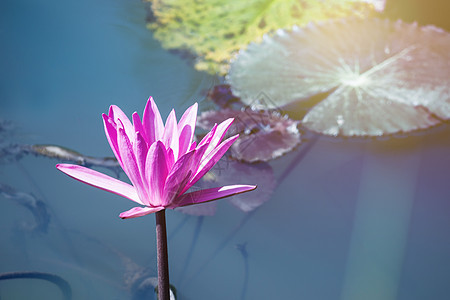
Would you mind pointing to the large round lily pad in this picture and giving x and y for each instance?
(214, 30)
(379, 77)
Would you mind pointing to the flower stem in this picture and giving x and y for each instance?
(163, 260)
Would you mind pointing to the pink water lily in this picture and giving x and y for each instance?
(161, 161)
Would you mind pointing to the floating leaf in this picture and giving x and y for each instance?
(224, 172)
(263, 135)
(215, 29)
(260, 174)
(202, 209)
(380, 77)
(221, 95)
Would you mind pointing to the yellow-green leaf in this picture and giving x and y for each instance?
(214, 30)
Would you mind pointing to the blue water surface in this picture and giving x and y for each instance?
(348, 220)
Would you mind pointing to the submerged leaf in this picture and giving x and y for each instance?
(263, 135)
(221, 95)
(227, 171)
(202, 209)
(261, 174)
(214, 30)
(379, 77)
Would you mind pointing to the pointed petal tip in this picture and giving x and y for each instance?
(59, 166)
(240, 188)
(226, 123)
(152, 121)
(234, 137)
(63, 167)
(212, 194)
(113, 109)
(252, 187)
(106, 119)
(149, 103)
(160, 144)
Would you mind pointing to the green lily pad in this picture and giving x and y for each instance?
(214, 30)
(374, 77)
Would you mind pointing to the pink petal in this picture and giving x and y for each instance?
(130, 165)
(186, 128)
(189, 118)
(139, 212)
(152, 122)
(193, 145)
(199, 153)
(117, 114)
(194, 166)
(178, 176)
(140, 149)
(156, 171)
(222, 129)
(137, 124)
(207, 138)
(111, 135)
(186, 135)
(170, 159)
(219, 134)
(177, 190)
(100, 180)
(211, 194)
(211, 159)
(170, 136)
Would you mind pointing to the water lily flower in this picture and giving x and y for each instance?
(161, 161)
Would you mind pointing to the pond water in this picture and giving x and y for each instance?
(366, 219)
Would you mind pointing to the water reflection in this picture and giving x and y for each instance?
(310, 240)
